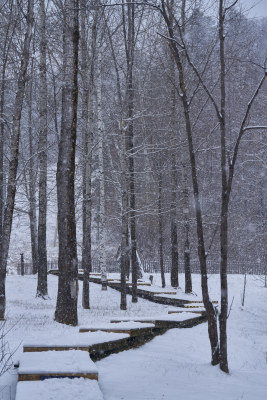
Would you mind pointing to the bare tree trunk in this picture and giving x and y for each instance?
(187, 269)
(42, 252)
(224, 203)
(124, 221)
(100, 129)
(211, 314)
(160, 217)
(87, 134)
(174, 187)
(130, 145)
(13, 163)
(32, 186)
(4, 61)
(66, 308)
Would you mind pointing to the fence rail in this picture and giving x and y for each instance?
(153, 266)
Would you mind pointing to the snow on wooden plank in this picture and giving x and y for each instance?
(35, 365)
(191, 312)
(158, 291)
(122, 326)
(131, 327)
(152, 319)
(55, 389)
(78, 342)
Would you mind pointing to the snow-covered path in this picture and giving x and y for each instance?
(175, 365)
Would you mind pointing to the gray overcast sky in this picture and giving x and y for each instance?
(260, 9)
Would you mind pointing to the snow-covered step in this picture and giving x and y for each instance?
(73, 342)
(55, 389)
(200, 311)
(182, 319)
(131, 327)
(152, 319)
(35, 366)
(158, 291)
(140, 284)
(196, 306)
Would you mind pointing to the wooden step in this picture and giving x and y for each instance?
(77, 342)
(132, 328)
(187, 311)
(34, 366)
(185, 306)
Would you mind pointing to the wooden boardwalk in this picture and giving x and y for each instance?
(43, 363)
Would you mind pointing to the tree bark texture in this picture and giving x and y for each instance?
(66, 308)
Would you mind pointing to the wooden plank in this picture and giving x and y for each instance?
(28, 348)
(41, 376)
(132, 332)
(193, 311)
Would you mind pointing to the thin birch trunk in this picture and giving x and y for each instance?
(160, 218)
(100, 129)
(130, 145)
(87, 134)
(32, 186)
(174, 187)
(124, 220)
(66, 308)
(42, 252)
(86, 250)
(187, 268)
(186, 224)
(224, 202)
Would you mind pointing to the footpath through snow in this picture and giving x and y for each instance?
(173, 366)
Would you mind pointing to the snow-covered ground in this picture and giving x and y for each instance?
(173, 366)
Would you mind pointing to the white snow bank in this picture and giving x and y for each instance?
(45, 362)
(55, 389)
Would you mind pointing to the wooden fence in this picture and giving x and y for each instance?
(153, 266)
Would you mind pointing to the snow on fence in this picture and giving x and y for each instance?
(153, 266)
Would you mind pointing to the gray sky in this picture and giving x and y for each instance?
(260, 9)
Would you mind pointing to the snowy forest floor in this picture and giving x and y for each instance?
(173, 366)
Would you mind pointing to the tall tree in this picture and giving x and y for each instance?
(100, 130)
(129, 40)
(174, 187)
(31, 189)
(66, 308)
(167, 14)
(42, 252)
(87, 75)
(13, 161)
(4, 56)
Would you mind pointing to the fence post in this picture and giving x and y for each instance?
(21, 264)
